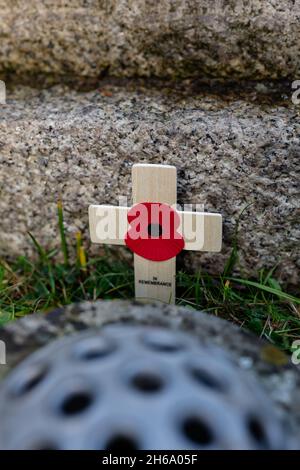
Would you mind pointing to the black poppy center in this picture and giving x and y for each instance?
(155, 230)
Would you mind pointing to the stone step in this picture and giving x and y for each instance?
(231, 147)
(56, 38)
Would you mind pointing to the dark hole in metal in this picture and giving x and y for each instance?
(92, 349)
(147, 382)
(121, 442)
(76, 403)
(168, 347)
(34, 378)
(257, 431)
(206, 379)
(155, 230)
(93, 354)
(163, 342)
(197, 431)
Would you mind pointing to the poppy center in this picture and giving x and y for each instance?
(154, 230)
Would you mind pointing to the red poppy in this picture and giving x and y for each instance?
(153, 231)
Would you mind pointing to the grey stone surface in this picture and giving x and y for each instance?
(168, 38)
(232, 147)
(272, 368)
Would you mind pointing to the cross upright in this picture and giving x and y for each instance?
(154, 230)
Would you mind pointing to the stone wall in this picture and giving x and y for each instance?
(235, 143)
(167, 38)
(231, 149)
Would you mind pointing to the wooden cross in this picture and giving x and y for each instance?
(201, 231)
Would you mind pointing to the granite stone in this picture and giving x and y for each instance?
(169, 38)
(234, 146)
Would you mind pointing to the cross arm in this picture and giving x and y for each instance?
(108, 224)
(202, 231)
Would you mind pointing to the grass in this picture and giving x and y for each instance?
(27, 286)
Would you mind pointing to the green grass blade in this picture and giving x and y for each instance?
(234, 255)
(271, 290)
(62, 232)
(41, 252)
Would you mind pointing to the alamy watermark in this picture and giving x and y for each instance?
(296, 352)
(2, 353)
(296, 93)
(2, 92)
(157, 221)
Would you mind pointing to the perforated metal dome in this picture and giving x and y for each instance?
(134, 387)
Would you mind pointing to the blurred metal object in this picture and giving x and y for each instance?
(128, 387)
